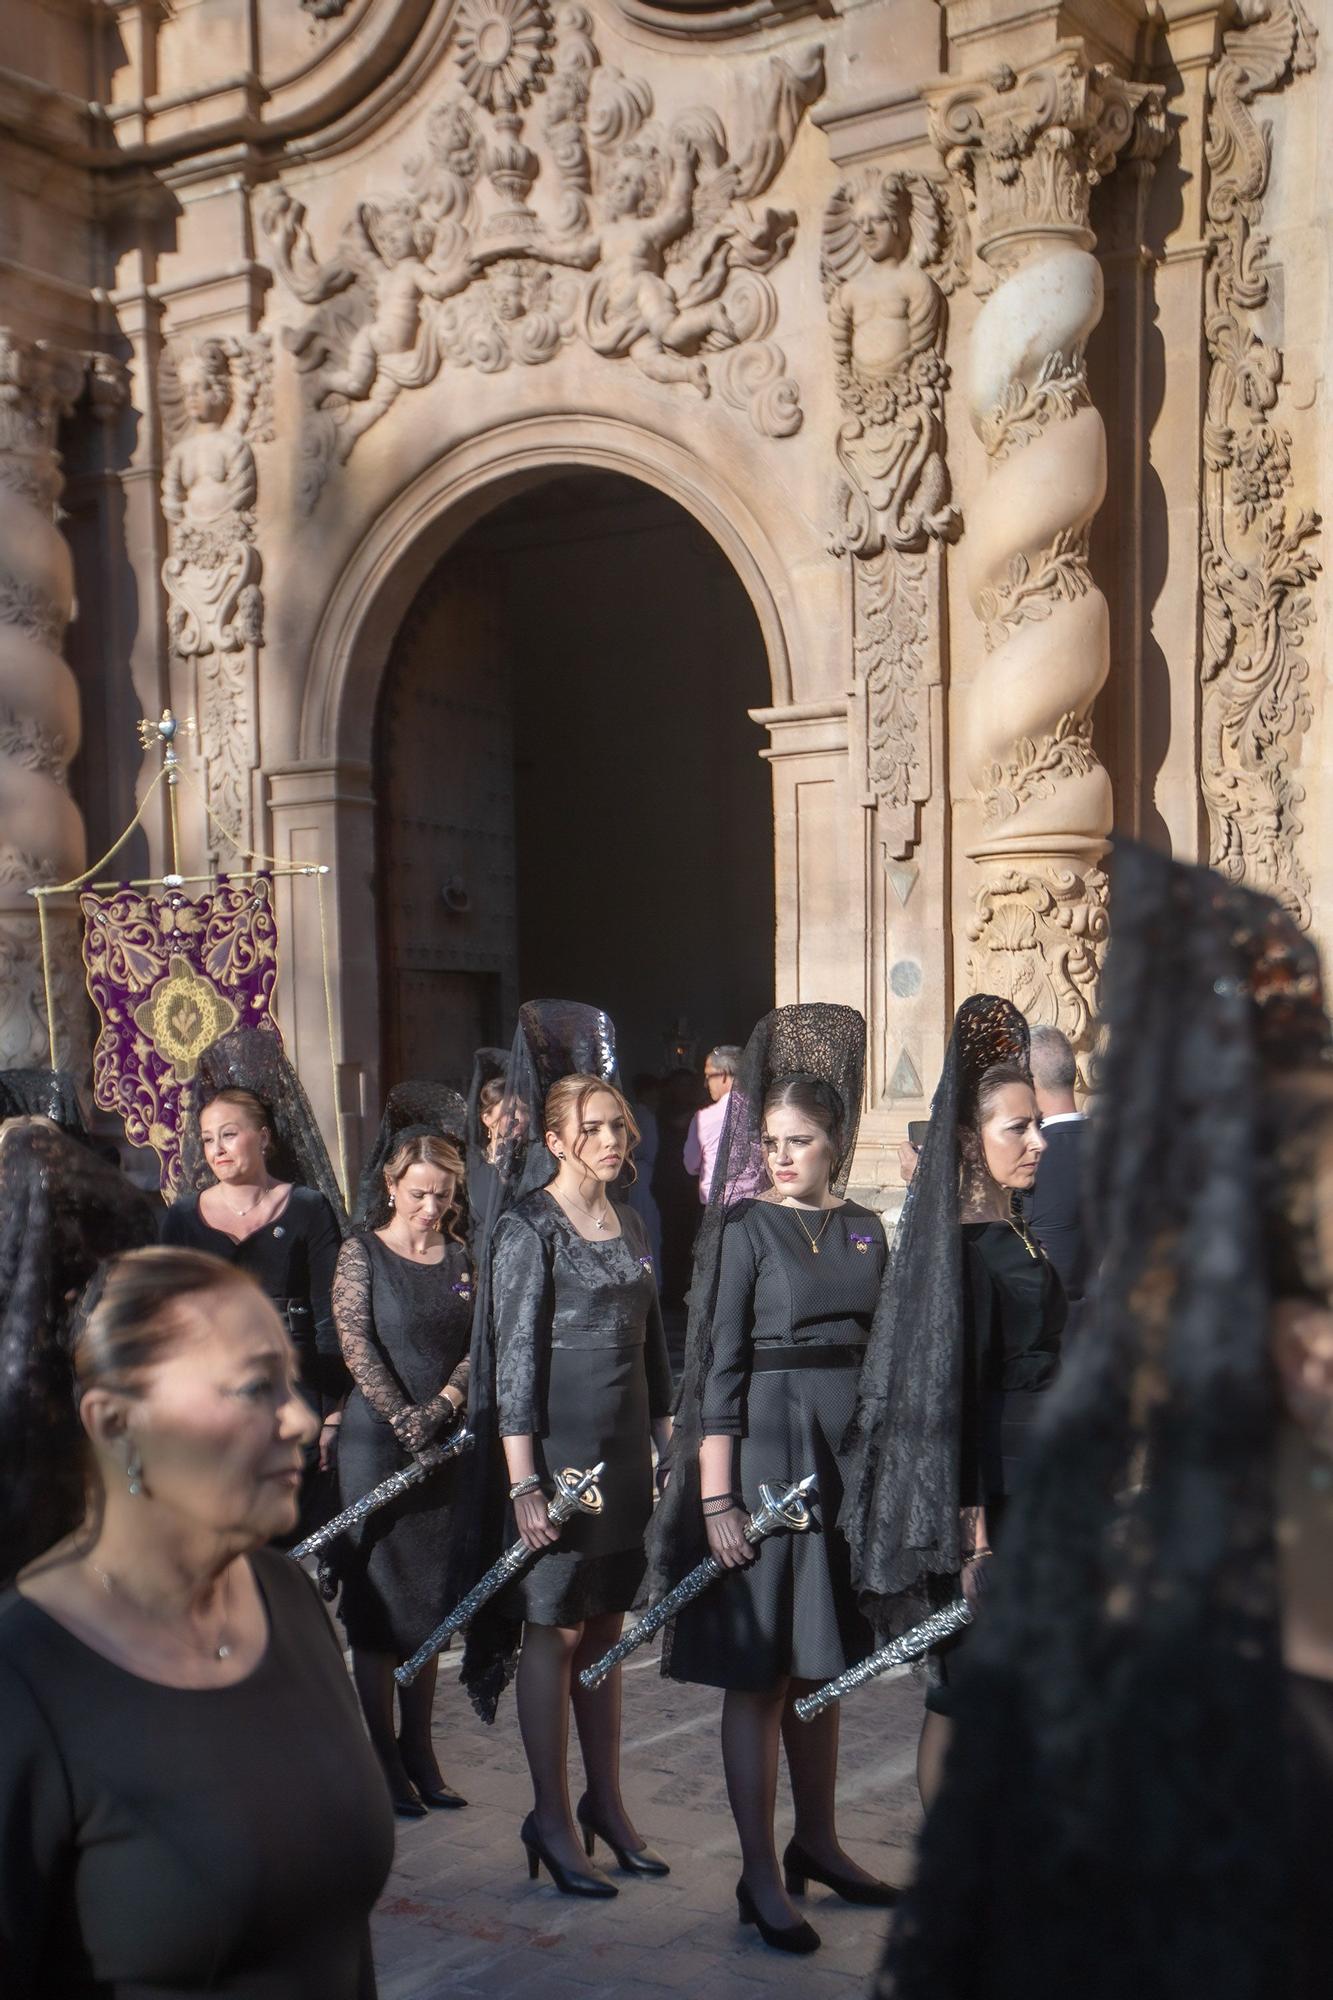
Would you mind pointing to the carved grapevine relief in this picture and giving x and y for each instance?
(1256, 560)
(216, 396)
(642, 240)
(889, 255)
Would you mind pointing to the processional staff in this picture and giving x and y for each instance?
(388, 1489)
(899, 1652)
(775, 1510)
(574, 1490)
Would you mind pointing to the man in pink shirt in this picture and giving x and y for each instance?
(705, 1133)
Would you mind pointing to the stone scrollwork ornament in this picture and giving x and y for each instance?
(1257, 559)
(641, 239)
(890, 254)
(216, 395)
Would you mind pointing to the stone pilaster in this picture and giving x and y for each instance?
(41, 830)
(1028, 147)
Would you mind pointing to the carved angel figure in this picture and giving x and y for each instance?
(391, 260)
(633, 308)
(885, 242)
(209, 487)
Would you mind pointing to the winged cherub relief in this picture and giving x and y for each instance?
(889, 253)
(640, 239)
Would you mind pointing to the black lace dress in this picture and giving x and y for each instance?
(1014, 1312)
(582, 1369)
(789, 1334)
(404, 1329)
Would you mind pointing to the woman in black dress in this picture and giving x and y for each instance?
(569, 1367)
(187, 1798)
(264, 1197)
(965, 1342)
(1139, 1799)
(785, 1287)
(402, 1303)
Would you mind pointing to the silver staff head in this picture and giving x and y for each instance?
(575, 1491)
(784, 1509)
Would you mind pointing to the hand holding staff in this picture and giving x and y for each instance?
(573, 1490)
(387, 1490)
(776, 1510)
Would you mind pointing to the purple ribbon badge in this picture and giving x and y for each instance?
(464, 1286)
(646, 1264)
(862, 1243)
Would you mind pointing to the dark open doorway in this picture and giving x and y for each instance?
(570, 796)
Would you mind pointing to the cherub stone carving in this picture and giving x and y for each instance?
(392, 259)
(887, 245)
(643, 241)
(632, 307)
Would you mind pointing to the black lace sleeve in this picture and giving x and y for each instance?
(656, 1358)
(523, 1302)
(415, 1425)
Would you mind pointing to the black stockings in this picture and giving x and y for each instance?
(546, 1687)
(407, 1752)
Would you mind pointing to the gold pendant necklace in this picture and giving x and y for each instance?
(813, 1241)
(1020, 1230)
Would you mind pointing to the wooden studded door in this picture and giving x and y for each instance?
(444, 765)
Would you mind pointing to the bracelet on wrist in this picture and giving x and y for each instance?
(522, 1487)
(975, 1555)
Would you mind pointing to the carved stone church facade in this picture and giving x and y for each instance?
(970, 358)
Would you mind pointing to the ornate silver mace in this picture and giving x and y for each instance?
(387, 1490)
(898, 1653)
(574, 1491)
(775, 1510)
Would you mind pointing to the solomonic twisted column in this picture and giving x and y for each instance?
(41, 831)
(1029, 147)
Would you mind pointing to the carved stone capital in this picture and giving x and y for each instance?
(1030, 145)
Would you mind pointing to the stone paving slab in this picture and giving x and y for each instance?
(460, 1917)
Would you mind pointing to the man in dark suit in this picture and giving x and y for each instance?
(1055, 1206)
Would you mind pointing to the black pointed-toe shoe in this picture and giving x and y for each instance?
(634, 1860)
(569, 1881)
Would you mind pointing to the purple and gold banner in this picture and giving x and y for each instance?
(168, 974)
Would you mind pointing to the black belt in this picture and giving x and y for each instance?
(766, 1359)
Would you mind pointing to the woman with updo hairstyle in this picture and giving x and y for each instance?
(402, 1303)
(251, 1210)
(787, 1276)
(188, 1804)
(581, 1376)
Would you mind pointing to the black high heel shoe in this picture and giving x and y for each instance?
(634, 1861)
(566, 1880)
(798, 1869)
(800, 1937)
(432, 1791)
(406, 1804)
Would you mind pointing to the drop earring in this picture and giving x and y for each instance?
(393, 1201)
(134, 1473)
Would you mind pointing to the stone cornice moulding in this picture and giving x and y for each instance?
(697, 22)
(873, 127)
(341, 99)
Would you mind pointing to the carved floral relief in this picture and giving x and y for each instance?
(1257, 558)
(511, 237)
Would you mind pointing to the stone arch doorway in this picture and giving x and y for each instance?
(569, 795)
